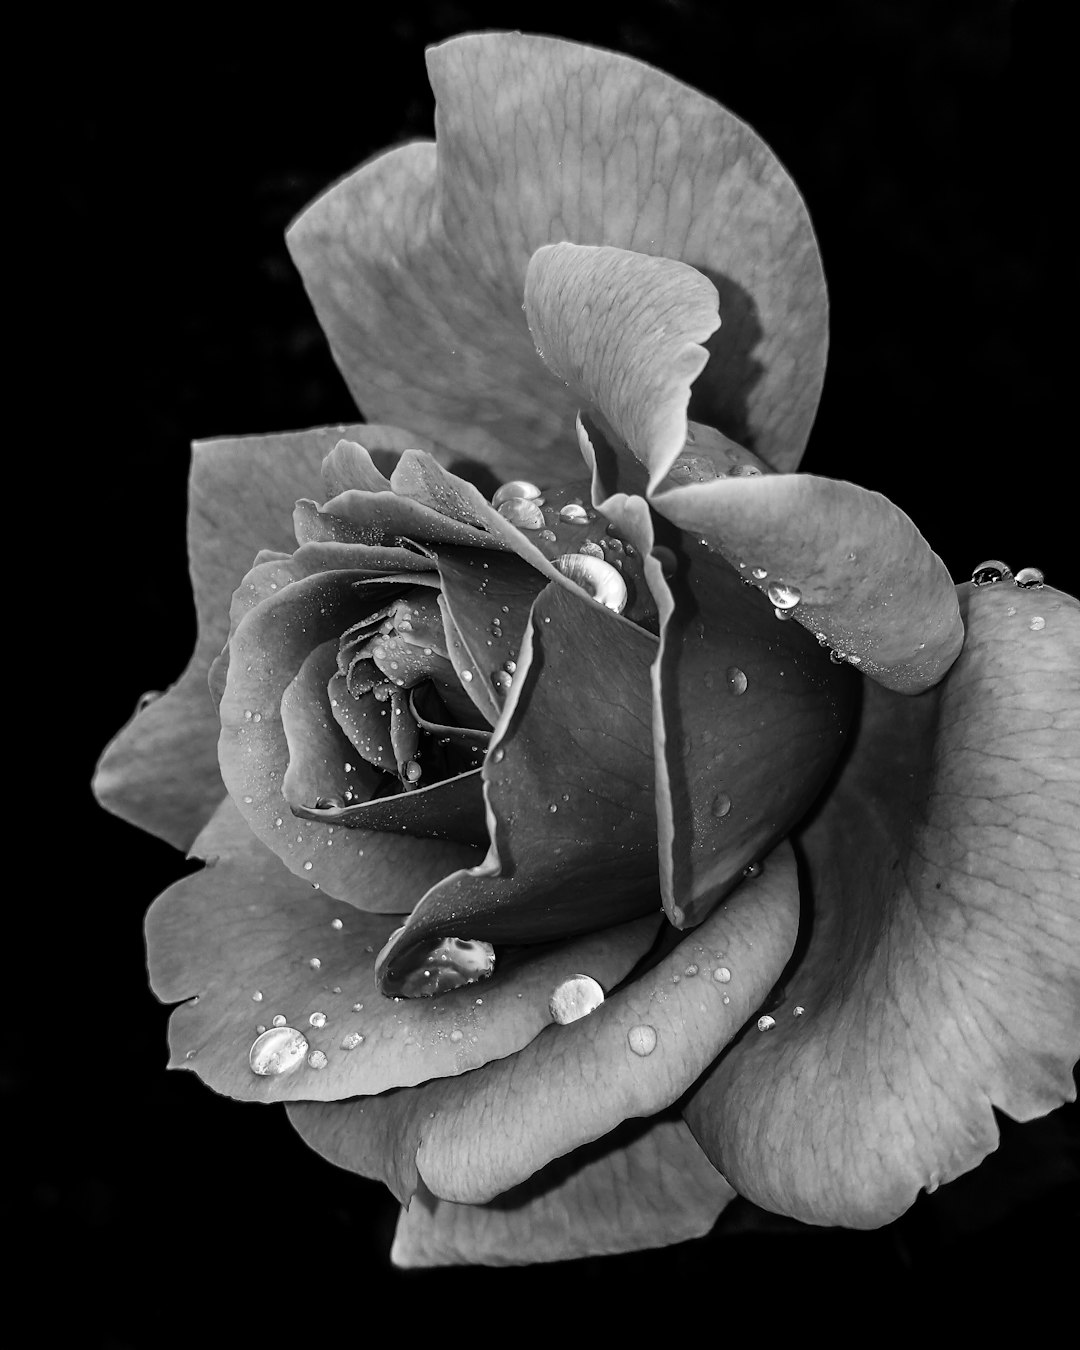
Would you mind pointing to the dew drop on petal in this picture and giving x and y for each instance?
(317, 1019)
(466, 675)
(317, 1059)
(1030, 578)
(783, 596)
(517, 489)
(526, 515)
(457, 1035)
(498, 755)
(279, 1020)
(766, 1023)
(721, 975)
(336, 923)
(753, 870)
(691, 970)
(277, 1051)
(501, 680)
(590, 550)
(744, 471)
(358, 1007)
(575, 998)
(991, 571)
(736, 680)
(548, 536)
(721, 805)
(574, 513)
(314, 963)
(642, 1040)
(798, 1010)
(758, 573)
(1037, 623)
(351, 1041)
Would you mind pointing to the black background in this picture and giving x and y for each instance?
(914, 133)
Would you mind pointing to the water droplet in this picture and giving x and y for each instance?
(781, 613)
(642, 1040)
(457, 1035)
(351, 1041)
(548, 536)
(758, 573)
(692, 969)
(257, 996)
(509, 667)
(765, 1023)
(498, 755)
(317, 1019)
(721, 805)
(358, 1007)
(754, 870)
(1030, 578)
(736, 680)
(798, 1010)
(317, 1059)
(260, 1028)
(575, 998)
(412, 771)
(1037, 623)
(336, 923)
(314, 963)
(590, 550)
(991, 571)
(501, 680)
(466, 675)
(515, 490)
(277, 1051)
(279, 1020)
(721, 975)
(448, 964)
(744, 471)
(526, 515)
(783, 596)
(574, 513)
(599, 578)
(837, 658)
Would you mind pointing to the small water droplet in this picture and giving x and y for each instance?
(466, 675)
(553, 807)
(765, 1023)
(260, 1028)
(317, 1059)
(754, 870)
(314, 963)
(277, 1051)
(279, 1020)
(336, 923)
(501, 680)
(518, 488)
(257, 996)
(783, 596)
(721, 805)
(837, 658)
(317, 1019)
(781, 613)
(358, 1007)
(1030, 578)
(457, 1035)
(351, 1041)
(575, 998)
(798, 1010)
(744, 471)
(991, 571)
(736, 680)
(412, 771)
(574, 513)
(721, 975)
(692, 969)
(509, 667)
(642, 1040)
(1037, 623)
(548, 536)
(526, 515)
(758, 573)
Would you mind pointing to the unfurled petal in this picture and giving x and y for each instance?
(479, 1135)
(569, 791)
(416, 263)
(647, 1184)
(161, 772)
(245, 941)
(941, 977)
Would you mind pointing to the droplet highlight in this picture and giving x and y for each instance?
(277, 1051)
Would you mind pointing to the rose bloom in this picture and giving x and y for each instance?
(599, 815)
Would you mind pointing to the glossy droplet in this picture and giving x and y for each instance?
(279, 1020)
(721, 975)
(744, 471)
(451, 963)
(783, 596)
(317, 1059)
(721, 805)
(600, 579)
(765, 1023)
(358, 1007)
(332, 802)
(991, 571)
(513, 491)
(498, 755)
(837, 658)
(277, 1051)
(501, 680)
(524, 514)
(1031, 578)
(574, 513)
(642, 1040)
(317, 1019)
(466, 675)
(457, 1035)
(575, 998)
(1037, 624)
(781, 613)
(691, 970)
(314, 963)
(590, 550)
(412, 771)
(758, 573)
(548, 536)
(736, 680)
(351, 1041)
(257, 996)
(754, 870)
(798, 1010)
(335, 923)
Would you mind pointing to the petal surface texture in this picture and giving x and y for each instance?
(941, 976)
(645, 1185)
(416, 263)
(161, 771)
(243, 941)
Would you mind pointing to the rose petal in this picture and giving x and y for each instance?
(245, 925)
(477, 1136)
(415, 264)
(268, 648)
(869, 581)
(352, 464)
(569, 791)
(647, 1184)
(161, 771)
(941, 978)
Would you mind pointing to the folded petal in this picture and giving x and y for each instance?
(415, 264)
(245, 941)
(161, 771)
(645, 1185)
(568, 782)
(941, 977)
(479, 1135)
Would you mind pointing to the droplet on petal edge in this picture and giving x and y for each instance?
(526, 515)
(451, 963)
(575, 998)
(736, 680)
(784, 597)
(991, 571)
(277, 1051)
(1030, 578)
(516, 490)
(766, 1023)
(595, 576)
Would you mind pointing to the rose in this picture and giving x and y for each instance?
(1009, 1080)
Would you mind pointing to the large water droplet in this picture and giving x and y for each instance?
(991, 571)
(574, 514)
(590, 550)
(766, 1023)
(548, 536)
(524, 514)
(642, 1040)
(518, 489)
(736, 680)
(501, 680)
(783, 596)
(599, 578)
(449, 964)
(279, 1020)
(575, 998)
(1031, 578)
(721, 805)
(277, 1051)
(257, 996)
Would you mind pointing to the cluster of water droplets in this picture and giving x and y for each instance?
(993, 571)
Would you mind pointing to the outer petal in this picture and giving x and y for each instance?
(416, 263)
(161, 771)
(477, 1136)
(942, 974)
(245, 926)
(645, 1185)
